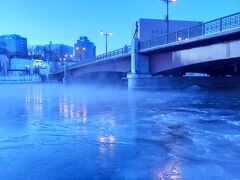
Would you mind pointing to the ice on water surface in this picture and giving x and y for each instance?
(76, 132)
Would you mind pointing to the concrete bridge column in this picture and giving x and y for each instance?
(67, 76)
(139, 76)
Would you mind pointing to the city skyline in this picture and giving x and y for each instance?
(63, 23)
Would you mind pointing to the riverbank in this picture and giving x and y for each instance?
(20, 82)
(19, 79)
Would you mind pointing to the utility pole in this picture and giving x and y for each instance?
(167, 16)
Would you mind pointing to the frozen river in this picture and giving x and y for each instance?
(56, 132)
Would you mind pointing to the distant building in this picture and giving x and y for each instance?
(84, 49)
(152, 28)
(14, 45)
(55, 52)
(36, 52)
(20, 63)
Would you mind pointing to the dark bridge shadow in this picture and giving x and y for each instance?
(221, 67)
(113, 78)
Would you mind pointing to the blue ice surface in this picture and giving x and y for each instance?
(52, 131)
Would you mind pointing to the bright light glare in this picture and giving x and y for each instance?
(170, 1)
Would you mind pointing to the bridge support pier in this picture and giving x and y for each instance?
(139, 76)
(138, 81)
(67, 76)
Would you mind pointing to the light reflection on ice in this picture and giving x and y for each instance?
(106, 144)
(115, 134)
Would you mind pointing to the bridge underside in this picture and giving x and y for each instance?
(112, 71)
(101, 70)
(222, 58)
(100, 77)
(221, 67)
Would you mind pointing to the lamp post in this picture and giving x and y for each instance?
(167, 16)
(67, 75)
(63, 63)
(81, 50)
(66, 60)
(106, 36)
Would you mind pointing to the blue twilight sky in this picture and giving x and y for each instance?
(63, 21)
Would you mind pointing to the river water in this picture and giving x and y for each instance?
(57, 132)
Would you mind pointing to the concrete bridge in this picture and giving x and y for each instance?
(212, 48)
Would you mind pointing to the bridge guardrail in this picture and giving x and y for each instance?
(119, 52)
(116, 53)
(215, 26)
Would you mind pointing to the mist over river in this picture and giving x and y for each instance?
(59, 132)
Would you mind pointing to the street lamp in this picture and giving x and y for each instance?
(106, 36)
(167, 16)
(61, 64)
(81, 50)
(65, 60)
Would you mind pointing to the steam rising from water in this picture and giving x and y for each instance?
(80, 132)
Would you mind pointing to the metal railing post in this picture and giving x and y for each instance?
(220, 25)
(188, 33)
(203, 29)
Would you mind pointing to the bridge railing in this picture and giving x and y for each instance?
(218, 25)
(56, 67)
(119, 52)
(112, 54)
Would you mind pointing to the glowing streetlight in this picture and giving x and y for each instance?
(106, 36)
(78, 48)
(81, 50)
(167, 16)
